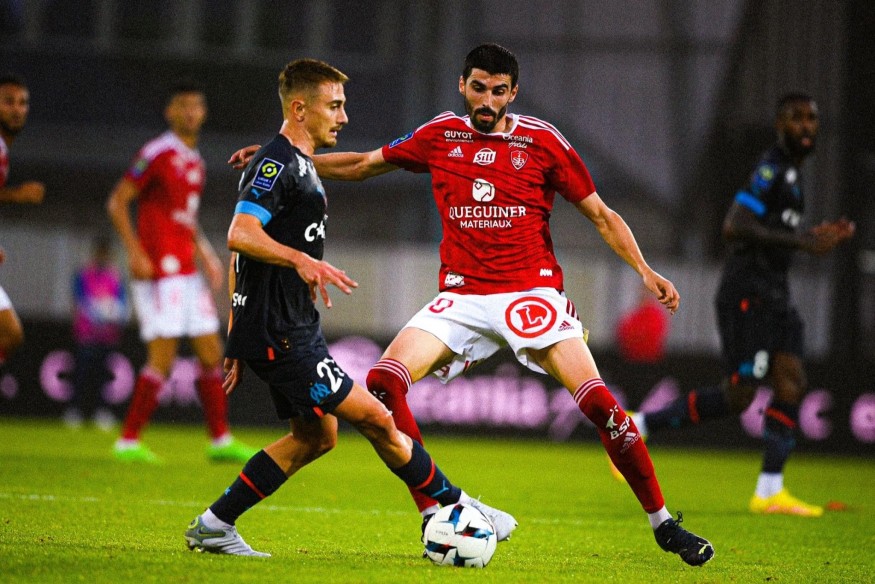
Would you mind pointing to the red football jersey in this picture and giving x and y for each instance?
(170, 178)
(4, 162)
(494, 193)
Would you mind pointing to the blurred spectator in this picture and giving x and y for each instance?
(642, 332)
(99, 318)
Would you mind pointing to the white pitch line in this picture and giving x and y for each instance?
(49, 498)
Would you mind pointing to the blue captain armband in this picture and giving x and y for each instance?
(251, 208)
(748, 201)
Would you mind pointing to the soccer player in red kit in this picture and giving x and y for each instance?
(170, 297)
(494, 178)
(14, 107)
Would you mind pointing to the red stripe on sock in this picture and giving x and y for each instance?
(252, 486)
(691, 404)
(396, 367)
(780, 417)
(585, 388)
(428, 480)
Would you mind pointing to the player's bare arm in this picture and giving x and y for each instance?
(241, 158)
(619, 237)
(246, 236)
(118, 207)
(352, 165)
(742, 225)
(209, 260)
(30, 192)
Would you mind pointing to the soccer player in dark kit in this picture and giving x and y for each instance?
(760, 330)
(277, 236)
(494, 178)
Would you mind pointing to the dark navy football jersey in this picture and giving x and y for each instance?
(774, 195)
(271, 306)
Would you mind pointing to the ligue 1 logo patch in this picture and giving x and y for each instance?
(267, 174)
(518, 158)
(403, 138)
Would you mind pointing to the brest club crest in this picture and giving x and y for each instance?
(518, 158)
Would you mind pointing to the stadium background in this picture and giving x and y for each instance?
(669, 104)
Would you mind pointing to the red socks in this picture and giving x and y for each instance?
(213, 401)
(143, 403)
(622, 441)
(389, 381)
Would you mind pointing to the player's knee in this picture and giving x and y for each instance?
(377, 426)
(739, 394)
(11, 339)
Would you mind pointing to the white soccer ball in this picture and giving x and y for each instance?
(460, 535)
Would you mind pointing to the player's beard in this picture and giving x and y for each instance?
(800, 150)
(9, 130)
(485, 127)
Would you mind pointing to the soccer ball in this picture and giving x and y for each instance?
(459, 535)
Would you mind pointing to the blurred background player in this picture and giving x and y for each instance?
(14, 106)
(642, 331)
(99, 316)
(169, 295)
(760, 330)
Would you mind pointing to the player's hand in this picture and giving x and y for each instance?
(233, 374)
(215, 272)
(30, 192)
(241, 158)
(141, 265)
(319, 274)
(664, 290)
(826, 236)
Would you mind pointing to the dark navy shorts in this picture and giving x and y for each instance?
(303, 381)
(753, 327)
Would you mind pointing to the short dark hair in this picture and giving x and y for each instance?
(495, 60)
(307, 75)
(788, 99)
(183, 86)
(11, 79)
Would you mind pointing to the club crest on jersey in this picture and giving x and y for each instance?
(485, 157)
(403, 138)
(518, 158)
(267, 173)
(483, 191)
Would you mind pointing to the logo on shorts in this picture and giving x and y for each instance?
(530, 316)
(318, 392)
(267, 174)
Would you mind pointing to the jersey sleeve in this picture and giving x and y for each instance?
(410, 151)
(143, 169)
(569, 176)
(753, 196)
(261, 192)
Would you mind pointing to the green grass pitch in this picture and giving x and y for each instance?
(69, 513)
